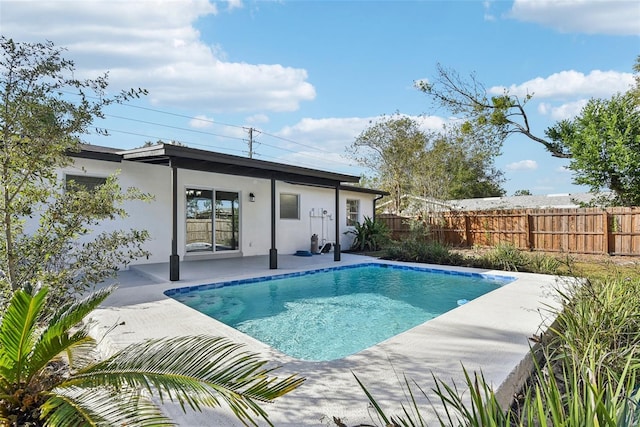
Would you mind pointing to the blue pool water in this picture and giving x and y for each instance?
(332, 313)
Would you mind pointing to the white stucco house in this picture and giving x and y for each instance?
(211, 205)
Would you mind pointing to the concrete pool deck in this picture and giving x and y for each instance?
(490, 333)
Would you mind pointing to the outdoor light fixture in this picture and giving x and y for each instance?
(252, 197)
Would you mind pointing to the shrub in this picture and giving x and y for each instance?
(507, 257)
(544, 264)
(49, 376)
(430, 252)
(369, 236)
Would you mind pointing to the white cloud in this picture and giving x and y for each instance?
(488, 16)
(154, 44)
(523, 165)
(336, 133)
(564, 170)
(570, 84)
(329, 134)
(564, 111)
(335, 162)
(201, 122)
(330, 137)
(258, 118)
(619, 17)
(234, 4)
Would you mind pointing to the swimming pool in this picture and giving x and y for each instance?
(331, 313)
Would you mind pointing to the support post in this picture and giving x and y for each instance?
(174, 258)
(336, 249)
(605, 232)
(528, 230)
(273, 252)
(467, 230)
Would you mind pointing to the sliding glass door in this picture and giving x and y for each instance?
(212, 221)
(227, 221)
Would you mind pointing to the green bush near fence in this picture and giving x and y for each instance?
(502, 257)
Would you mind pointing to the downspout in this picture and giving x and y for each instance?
(174, 258)
(336, 249)
(380, 196)
(273, 252)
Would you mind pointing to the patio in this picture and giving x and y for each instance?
(489, 333)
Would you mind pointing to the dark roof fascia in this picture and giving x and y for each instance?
(191, 158)
(364, 190)
(96, 152)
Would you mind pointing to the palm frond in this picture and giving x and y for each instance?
(17, 333)
(73, 406)
(55, 339)
(194, 371)
(74, 312)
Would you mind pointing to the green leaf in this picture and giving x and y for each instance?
(18, 333)
(72, 406)
(193, 371)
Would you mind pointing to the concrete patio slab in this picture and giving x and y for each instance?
(490, 333)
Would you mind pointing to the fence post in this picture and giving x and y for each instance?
(605, 232)
(527, 229)
(467, 231)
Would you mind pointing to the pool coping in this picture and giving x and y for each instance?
(258, 279)
(490, 333)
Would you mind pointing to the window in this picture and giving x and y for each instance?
(353, 212)
(289, 206)
(83, 182)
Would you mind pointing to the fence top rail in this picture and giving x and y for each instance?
(523, 211)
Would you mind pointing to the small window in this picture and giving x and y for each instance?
(353, 212)
(289, 206)
(84, 182)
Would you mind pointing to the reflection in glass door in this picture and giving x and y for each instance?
(227, 221)
(212, 223)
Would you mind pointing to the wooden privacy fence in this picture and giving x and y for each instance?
(614, 231)
(201, 230)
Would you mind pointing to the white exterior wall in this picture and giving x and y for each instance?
(296, 235)
(153, 216)
(255, 217)
(365, 210)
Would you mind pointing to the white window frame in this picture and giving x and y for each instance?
(353, 217)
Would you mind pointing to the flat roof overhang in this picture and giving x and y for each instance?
(207, 161)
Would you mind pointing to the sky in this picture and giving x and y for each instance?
(309, 76)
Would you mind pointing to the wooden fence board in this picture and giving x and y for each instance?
(614, 231)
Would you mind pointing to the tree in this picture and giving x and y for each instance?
(390, 148)
(458, 165)
(604, 142)
(450, 164)
(522, 193)
(635, 91)
(499, 116)
(48, 375)
(43, 114)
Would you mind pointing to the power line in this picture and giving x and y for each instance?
(174, 127)
(311, 166)
(160, 138)
(251, 141)
(160, 111)
(297, 143)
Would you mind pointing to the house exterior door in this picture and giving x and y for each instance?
(212, 220)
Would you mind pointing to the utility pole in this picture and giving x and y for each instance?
(250, 141)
